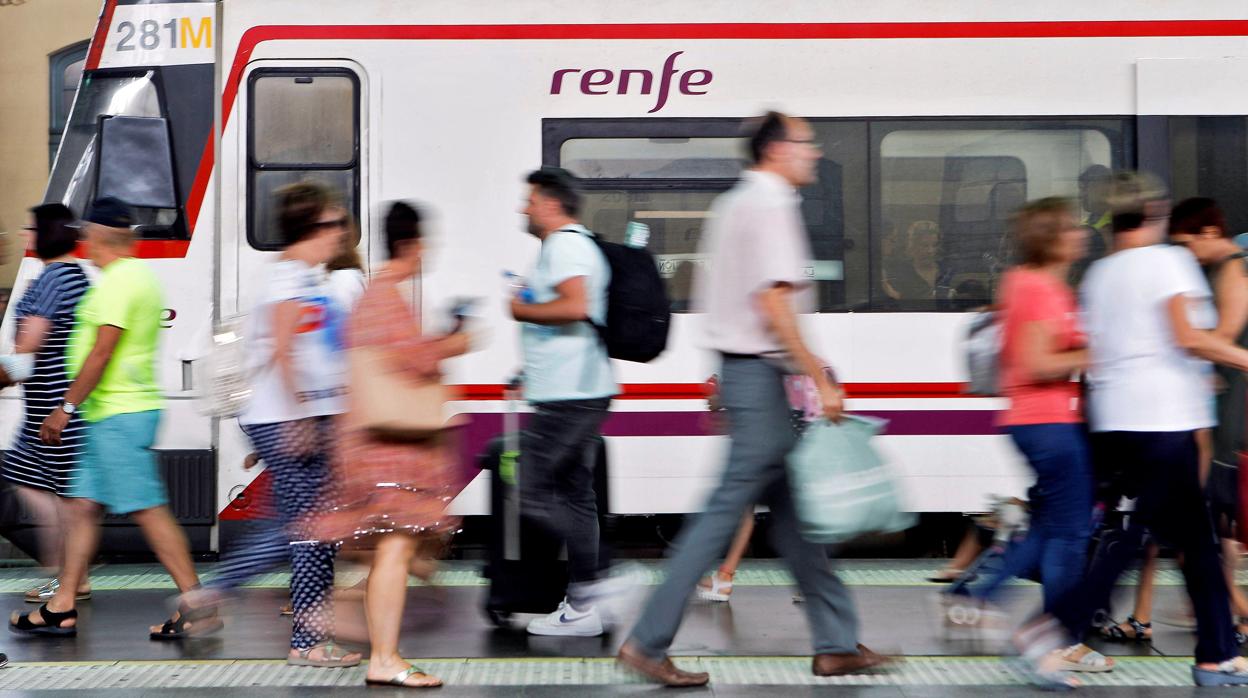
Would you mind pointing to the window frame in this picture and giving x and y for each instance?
(254, 167)
(556, 131)
(58, 61)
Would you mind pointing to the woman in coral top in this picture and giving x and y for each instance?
(1042, 348)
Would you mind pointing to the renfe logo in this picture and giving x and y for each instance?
(598, 81)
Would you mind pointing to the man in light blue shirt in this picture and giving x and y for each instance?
(569, 382)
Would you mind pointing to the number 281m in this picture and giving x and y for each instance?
(150, 34)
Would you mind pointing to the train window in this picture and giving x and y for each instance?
(304, 125)
(667, 174)
(75, 178)
(945, 191)
(1209, 157)
(653, 158)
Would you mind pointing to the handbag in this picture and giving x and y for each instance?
(388, 404)
(841, 487)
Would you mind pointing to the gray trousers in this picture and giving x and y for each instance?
(762, 436)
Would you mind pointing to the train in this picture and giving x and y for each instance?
(935, 120)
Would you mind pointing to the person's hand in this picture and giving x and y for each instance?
(831, 399)
(516, 307)
(251, 461)
(50, 431)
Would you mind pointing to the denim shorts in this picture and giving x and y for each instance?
(118, 467)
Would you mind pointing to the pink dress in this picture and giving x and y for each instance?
(385, 486)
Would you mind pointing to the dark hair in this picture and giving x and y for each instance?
(1037, 226)
(1191, 215)
(557, 183)
(402, 225)
(769, 128)
(299, 206)
(54, 234)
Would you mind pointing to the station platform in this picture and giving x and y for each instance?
(755, 645)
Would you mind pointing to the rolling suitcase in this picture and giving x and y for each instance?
(526, 566)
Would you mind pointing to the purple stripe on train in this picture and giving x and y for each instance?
(482, 427)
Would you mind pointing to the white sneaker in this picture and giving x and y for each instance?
(615, 595)
(566, 621)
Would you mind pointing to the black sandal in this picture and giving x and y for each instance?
(51, 626)
(205, 622)
(1115, 633)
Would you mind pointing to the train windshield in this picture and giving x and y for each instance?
(125, 110)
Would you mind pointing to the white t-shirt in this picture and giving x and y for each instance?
(345, 287)
(1140, 379)
(319, 362)
(568, 362)
(754, 240)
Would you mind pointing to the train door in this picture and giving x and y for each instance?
(297, 120)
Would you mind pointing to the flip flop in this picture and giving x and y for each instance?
(400, 679)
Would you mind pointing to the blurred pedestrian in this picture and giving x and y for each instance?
(753, 288)
(346, 271)
(569, 383)
(112, 356)
(392, 494)
(1043, 347)
(1150, 317)
(299, 385)
(44, 473)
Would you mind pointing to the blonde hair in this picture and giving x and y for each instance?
(1129, 196)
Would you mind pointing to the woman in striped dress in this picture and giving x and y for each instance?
(45, 316)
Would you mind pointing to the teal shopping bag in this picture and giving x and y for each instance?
(841, 487)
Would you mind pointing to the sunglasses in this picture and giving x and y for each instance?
(335, 223)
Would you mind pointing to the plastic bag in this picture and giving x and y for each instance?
(841, 487)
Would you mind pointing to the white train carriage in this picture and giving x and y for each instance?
(935, 120)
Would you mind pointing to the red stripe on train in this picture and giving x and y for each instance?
(697, 391)
(101, 35)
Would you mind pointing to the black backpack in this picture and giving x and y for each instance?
(638, 312)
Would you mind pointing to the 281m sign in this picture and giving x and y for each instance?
(148, 34)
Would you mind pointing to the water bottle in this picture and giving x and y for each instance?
(517, 287)
(637, 235)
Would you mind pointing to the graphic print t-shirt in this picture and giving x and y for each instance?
(319, 363)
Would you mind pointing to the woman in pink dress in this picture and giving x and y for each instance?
(392, 495)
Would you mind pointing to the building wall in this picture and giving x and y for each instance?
(30, 31)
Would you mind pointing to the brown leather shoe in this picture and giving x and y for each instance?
(845, 663)
(660, 670)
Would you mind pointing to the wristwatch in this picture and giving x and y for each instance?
(69, 407)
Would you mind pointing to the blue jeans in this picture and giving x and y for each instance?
(1056, 543)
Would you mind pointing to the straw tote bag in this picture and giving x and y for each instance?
(390, 405)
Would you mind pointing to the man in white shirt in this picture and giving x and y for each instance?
(754, 286)
(569, 382)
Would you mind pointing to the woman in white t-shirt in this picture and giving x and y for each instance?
(1148, 319)
(299, 385)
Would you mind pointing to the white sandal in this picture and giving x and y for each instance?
(719, 590)
(1092, 662)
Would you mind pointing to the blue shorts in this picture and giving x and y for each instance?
(118, 467)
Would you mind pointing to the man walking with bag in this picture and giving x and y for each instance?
(751, 291)
(569, 382)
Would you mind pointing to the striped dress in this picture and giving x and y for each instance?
(54, 295)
